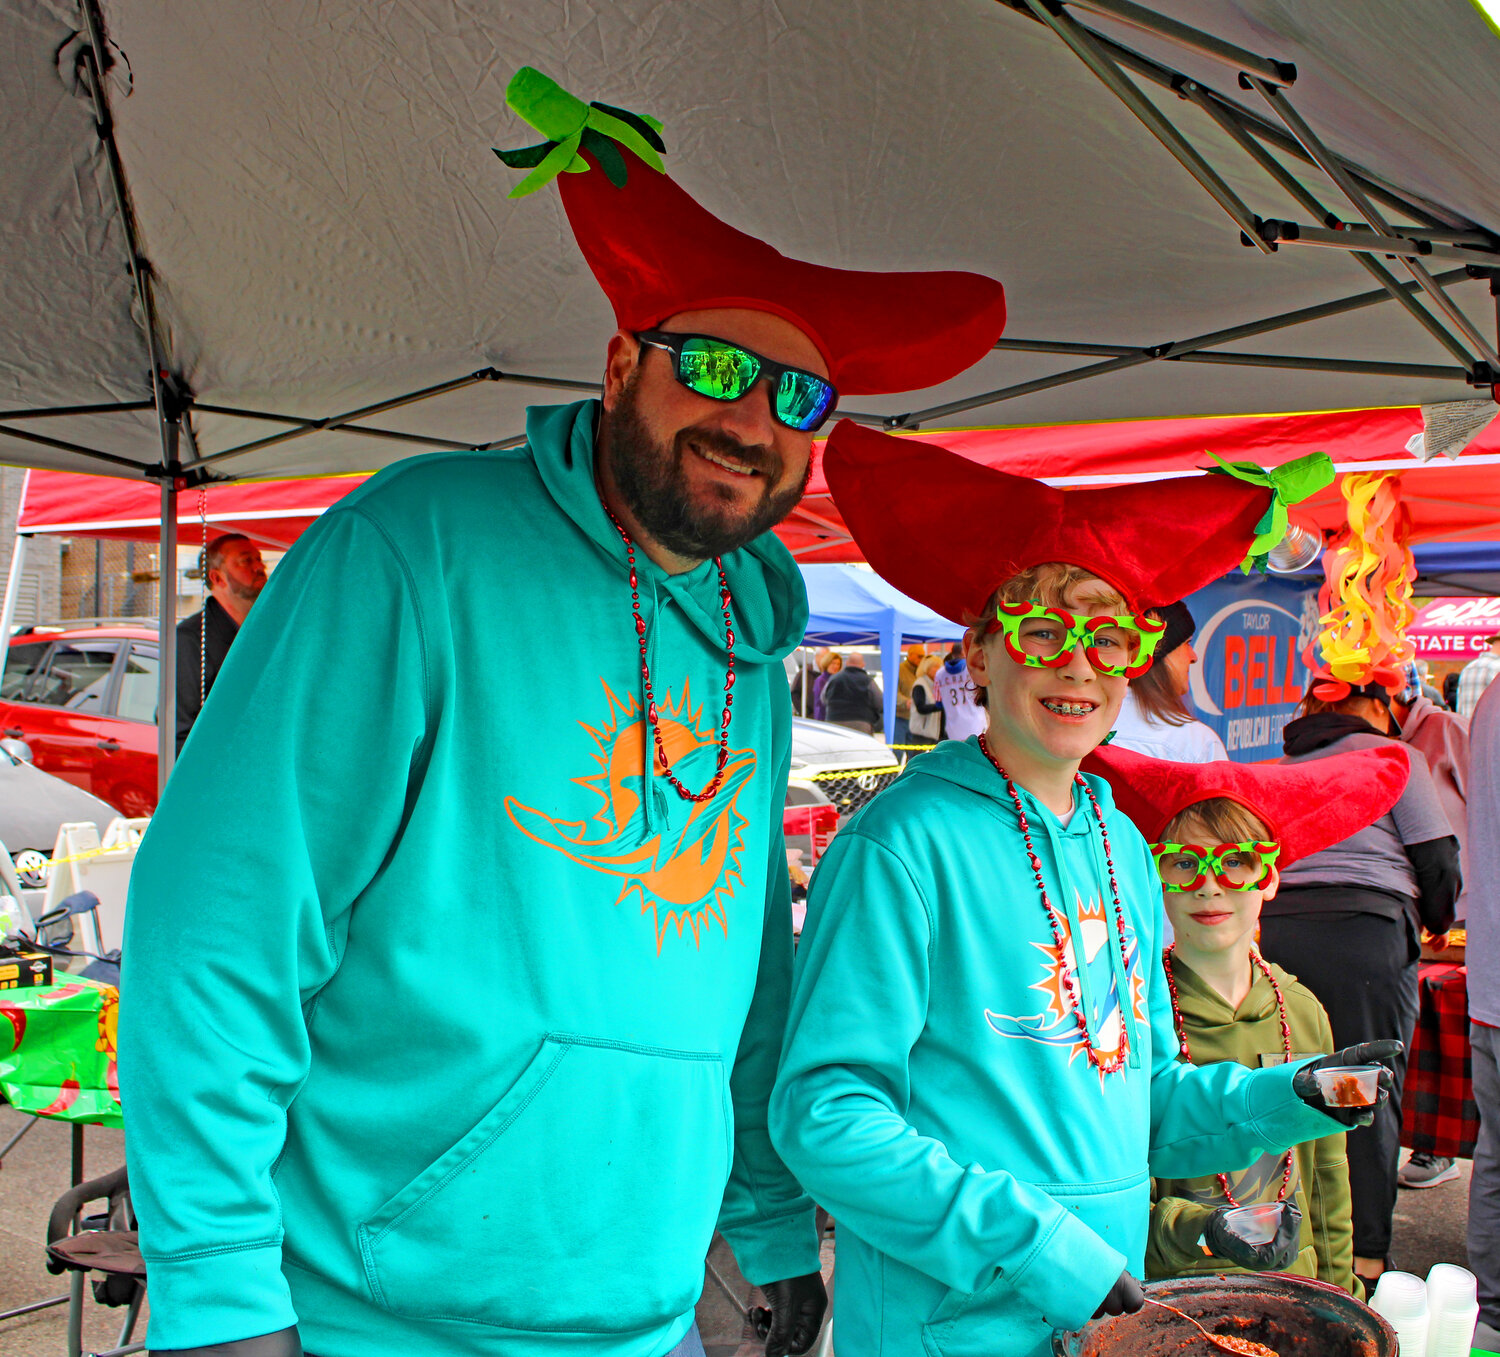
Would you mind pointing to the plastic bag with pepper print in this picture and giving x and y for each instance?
(57, 1051)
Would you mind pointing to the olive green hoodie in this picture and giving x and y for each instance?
(1251, 1034)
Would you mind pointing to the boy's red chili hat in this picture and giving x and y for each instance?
(1307, 806)
(949, 532)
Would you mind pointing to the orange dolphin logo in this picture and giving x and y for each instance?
(682, 864)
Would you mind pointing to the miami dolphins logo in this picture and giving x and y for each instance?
(682, 861)
(1056, 1025)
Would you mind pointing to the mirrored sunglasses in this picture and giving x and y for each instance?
(1236, 866)
(728, 372)
(1046, 638)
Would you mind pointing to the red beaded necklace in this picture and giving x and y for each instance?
(1067, 972)
(1286, 1045)
(651, 713)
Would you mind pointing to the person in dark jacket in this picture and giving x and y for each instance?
(1346, 922)
(852, 698)
(235, 574)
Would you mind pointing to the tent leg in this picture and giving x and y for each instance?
(13, 585)
(166, 698)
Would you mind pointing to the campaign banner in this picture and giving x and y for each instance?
(1249, 678)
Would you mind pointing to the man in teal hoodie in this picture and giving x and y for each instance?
(463, 1047)
(980, 1073)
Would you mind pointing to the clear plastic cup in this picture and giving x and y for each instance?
(1400, 1297)
(1451, 1286)
(1254, 1224)
(1349, 1086)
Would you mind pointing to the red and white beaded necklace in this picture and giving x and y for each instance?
(652, 719)
(1286, 1045)
(1069, 972)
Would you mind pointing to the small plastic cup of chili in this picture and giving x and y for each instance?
(1349, 1085)
(1254, 1224)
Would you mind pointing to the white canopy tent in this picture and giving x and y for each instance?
(271, 239)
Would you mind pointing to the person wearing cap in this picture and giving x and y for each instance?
(1346, 921)
(980, 1071)
(474, 1048)
(1476, 676)
(1154, 718)
(1220, 834)
(905, 677)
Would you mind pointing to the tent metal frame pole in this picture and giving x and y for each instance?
(1330, 166)
(13, 587)
(1194, 40)
(1081, 40)
(114, 459)
(166, 594)
(1236, 131)
(341, 423)
(1356, 239)
(1270, 360)
(106, 408)
(167, 396)
(1400, 199)
(1157, 353)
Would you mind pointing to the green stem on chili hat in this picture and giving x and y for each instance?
(1289, 484)
(571, 127)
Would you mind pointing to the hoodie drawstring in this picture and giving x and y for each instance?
(1071, 900)
(1121, 971)
(653, 797)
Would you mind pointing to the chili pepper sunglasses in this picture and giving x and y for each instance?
(728, 372)
(1046, 638)
(1236, 866)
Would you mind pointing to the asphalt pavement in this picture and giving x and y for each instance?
(1430, 1227)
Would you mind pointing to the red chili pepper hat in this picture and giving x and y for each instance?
(656, 252)
(949, 531)
(1307, 806)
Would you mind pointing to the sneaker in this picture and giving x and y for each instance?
(1427, 1170)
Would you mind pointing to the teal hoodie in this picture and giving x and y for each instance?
(934, 1094)
(444, 1030)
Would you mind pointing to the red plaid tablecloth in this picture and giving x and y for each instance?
(1437, 1105)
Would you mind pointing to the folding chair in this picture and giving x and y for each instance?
(107, 1243)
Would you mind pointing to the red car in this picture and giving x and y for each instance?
(83, 697)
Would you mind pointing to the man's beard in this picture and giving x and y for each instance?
(649, 478)
(246, 593)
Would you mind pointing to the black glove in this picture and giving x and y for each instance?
(791, 1324)
(283, 1343)
(1275, 1256)
(1125, 1298)
(1305, 1083)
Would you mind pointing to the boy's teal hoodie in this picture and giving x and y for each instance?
(444, 1031)
(989, 1184)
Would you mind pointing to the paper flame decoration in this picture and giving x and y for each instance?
(1365, 600)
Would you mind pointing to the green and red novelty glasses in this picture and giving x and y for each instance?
(728, 372)
(1040, 637)
(1236, 866)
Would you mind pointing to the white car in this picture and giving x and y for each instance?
(838, 766)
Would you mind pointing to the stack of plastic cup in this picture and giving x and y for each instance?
(1452, 1310)
(1401, 1300)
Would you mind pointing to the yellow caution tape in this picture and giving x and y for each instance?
(838, 773)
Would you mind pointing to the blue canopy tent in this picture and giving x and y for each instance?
(850, 606)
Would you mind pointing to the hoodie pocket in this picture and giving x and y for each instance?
(584, 1201)
(1003, 1318)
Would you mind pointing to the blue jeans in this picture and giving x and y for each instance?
(691, 1345)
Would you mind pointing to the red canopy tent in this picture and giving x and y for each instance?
(1450, 501)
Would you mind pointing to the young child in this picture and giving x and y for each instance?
(1219, 833)
(980, 1069)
